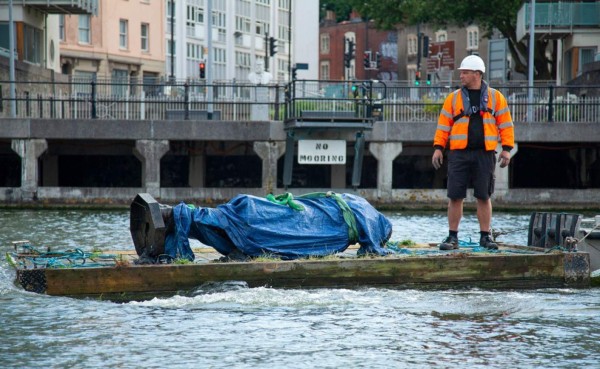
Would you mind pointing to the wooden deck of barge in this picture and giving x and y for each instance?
(419, 266)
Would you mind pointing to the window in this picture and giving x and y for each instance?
(84, 28)
(144, 36)
(242, 24)
(325, 70)
(170, 14)
(324, 43)
(32, 40)
(282, 69)
(472, 38)
(82, 82)
(4, 40)
(586, 55)
(242, 59)
(194, 51)
(412, 47)
(119, 82)
(171, 47)
(123, 34)
(194, 15)
(284, 4)
(219, 56)
(441, 36)
(262, 28)
(284, 33)
(219, 20)
(61, 27)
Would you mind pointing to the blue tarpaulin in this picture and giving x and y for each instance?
(310, 225)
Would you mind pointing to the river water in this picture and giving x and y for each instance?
(232, 326)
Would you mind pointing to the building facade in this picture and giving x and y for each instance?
(123, 42)
(36, 29)
(368, 42)
(574, 29)
(241, 34)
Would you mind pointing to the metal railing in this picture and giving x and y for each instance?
(388, 100)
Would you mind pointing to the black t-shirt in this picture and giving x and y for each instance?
(476, 137)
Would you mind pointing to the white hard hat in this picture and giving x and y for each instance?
(472, 62)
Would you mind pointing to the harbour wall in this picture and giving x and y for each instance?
(150, 140)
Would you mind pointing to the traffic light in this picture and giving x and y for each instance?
(355, 91)
(425, 48)
(367, 59)
(294, 70)
(346, 60)
(272, 46)
(202, 67)
(417, 78)
(351, 47)
(378, 59)
(428, 79)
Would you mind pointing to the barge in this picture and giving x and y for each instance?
(152, 270)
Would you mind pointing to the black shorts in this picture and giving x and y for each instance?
(471, 168)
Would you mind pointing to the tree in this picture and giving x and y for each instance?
(490, 15)
(341, 8)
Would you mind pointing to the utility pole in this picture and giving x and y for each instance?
(419, 48)
(290, 71)
(172, 48)
(266, 51)
(531, 61)
(11, 35)
(209, 62)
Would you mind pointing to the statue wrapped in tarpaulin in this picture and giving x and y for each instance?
(316, 224)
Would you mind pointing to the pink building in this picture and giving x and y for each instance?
(124, 41)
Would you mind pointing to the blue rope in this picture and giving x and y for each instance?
(474, 247)
(61, 259)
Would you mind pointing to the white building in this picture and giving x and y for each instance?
(238, 38)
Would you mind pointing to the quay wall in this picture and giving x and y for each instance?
(29, 138)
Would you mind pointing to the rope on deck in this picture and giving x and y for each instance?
(466, 245)
(75, 258)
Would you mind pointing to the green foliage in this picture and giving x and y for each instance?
(341, 8)
(489, 15)
(181, 261)
(432, 106)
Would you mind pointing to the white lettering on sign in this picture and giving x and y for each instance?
(321, 152)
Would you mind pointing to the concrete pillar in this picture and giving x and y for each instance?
(149, 153)
(385, 153)
(197, 165)
(29, 151)
(338, 176)
(502, 173)
(269, 152)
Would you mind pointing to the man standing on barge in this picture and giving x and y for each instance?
(471, 120)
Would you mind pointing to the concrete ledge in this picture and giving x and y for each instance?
(399, 199)
(420, 132)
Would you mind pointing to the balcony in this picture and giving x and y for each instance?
(557, 19)
(58, 6)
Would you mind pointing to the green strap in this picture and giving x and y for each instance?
(287, 199)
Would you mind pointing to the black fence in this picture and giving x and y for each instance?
(383, 100)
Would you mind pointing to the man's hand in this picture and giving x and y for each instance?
(504, 159)
(438, 159)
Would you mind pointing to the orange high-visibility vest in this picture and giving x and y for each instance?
(453, 124)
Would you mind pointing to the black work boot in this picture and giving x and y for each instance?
(488, 243)
(449, 243)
